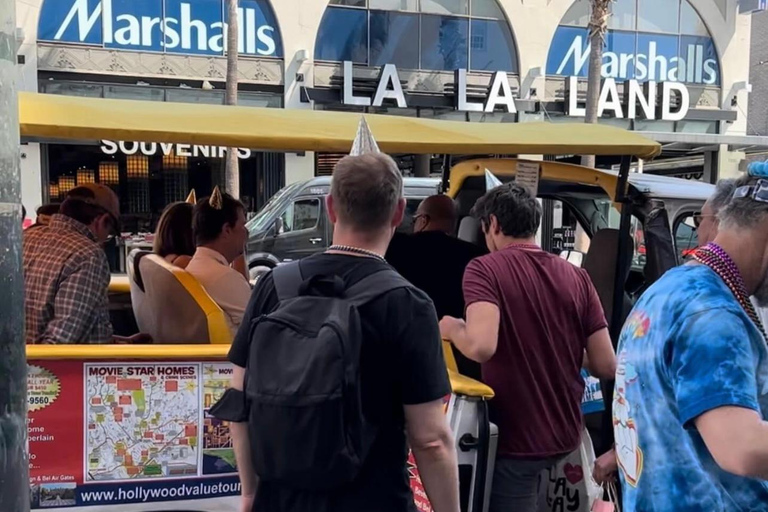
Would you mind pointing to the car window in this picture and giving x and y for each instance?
(686, 238)
(301, 214)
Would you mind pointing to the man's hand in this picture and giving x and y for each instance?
(137, 339)
(606, 467)
(449, 326)
(246, 502)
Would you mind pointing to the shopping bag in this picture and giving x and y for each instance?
(569, 486)
(609, 505)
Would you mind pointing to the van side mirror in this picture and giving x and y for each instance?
(278, 226)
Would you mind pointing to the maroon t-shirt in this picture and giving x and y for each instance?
(548, 310)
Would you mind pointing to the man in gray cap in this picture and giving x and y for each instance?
(66, 271)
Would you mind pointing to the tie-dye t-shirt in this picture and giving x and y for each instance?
(687, 348)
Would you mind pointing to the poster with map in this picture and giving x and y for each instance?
(142, 421)
(218, 452)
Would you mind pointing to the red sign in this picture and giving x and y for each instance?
(55, 421)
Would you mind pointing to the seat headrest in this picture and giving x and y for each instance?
(470, 231)
(134, 270)
(182, 310)
(600, 264)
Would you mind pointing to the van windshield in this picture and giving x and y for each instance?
(263, 217)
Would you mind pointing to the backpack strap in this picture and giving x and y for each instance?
(287, 279)
(374, 286)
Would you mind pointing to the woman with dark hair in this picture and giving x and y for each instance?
(174, 238)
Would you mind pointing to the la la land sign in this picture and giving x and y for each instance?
(648, 100)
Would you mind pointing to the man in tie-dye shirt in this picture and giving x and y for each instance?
(691, 398)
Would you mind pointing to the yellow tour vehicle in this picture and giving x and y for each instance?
(126, 427)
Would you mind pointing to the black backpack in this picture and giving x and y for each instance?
(306, 424)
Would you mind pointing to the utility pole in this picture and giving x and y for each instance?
(232, 166)
(14, 464)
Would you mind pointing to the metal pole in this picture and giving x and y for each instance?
(14, 465)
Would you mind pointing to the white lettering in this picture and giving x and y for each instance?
(130, 34)
(609, 99)
(187, 24)
(668, 91)
(645, 95)
(108, 147)
(349, 94)
(265, 36)
(147, 24)
(578, 53)
(216, 43)
(184, 150)
(148, 149)
(85, 21)
(389, 87)
(653, 66)
(250, 25)
(132, 150)
(500, 93)
(244, 153)
(166, 148)
(462, 103)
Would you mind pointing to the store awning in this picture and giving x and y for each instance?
(78, 118)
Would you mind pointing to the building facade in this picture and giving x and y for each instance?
(677, 70)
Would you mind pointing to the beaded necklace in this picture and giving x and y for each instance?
(713, 256)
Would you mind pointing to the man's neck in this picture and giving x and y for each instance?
(376, 243)
(746, 249)
(218, 247)
(508, 241)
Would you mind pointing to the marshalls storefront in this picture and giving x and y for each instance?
(677, 70)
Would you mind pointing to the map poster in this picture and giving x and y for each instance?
(142, 421)
(54, 430)
(218, 452)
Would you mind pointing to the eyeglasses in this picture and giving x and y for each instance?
(758, 192)
(698, 218)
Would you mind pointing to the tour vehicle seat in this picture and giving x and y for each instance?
(176, 309)
(600, 264)
(470, 231)
(136, 283)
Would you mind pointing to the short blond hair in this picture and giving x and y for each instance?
(366, 190)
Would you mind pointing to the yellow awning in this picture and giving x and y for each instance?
(78, 118)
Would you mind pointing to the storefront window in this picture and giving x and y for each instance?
(624, 14)
(444, 42)
(394, 36)
(444, 34)
(658, 16)
(445, 6)
(195, 96)
(134, 93)
(148, 176)
(343, 35)
(690, 22)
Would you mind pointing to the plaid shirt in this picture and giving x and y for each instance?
(67, 278)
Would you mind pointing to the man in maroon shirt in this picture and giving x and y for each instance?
(530, 318)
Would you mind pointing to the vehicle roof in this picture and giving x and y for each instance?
(668, 187)
(71, 117)
(648, 184)
(321, 181)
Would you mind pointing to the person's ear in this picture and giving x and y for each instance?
(494, 228)
(397, 219)
(331, 209)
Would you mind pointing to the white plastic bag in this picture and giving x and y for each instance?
(569, 485)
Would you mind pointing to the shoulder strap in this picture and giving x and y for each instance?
(375, 285)
(287, 279)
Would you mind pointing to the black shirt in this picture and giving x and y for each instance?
(435, 262)
(401, 364)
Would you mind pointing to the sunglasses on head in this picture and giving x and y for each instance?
(757, 192)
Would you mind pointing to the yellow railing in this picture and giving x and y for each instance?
(128, 352)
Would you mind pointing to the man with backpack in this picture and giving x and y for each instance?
(339, 368)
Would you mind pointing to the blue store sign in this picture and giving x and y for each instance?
(637, 56)
(195, 27)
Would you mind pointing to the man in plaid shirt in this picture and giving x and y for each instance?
(66, 272)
